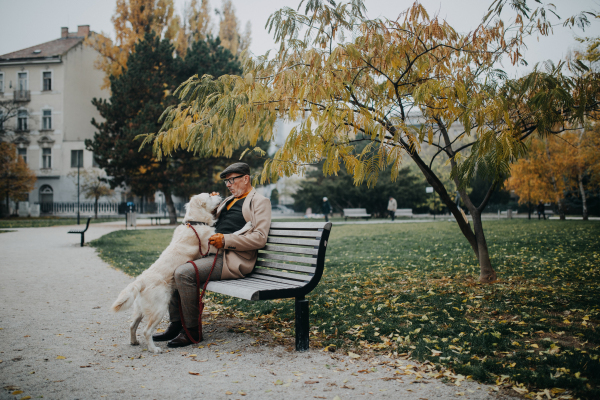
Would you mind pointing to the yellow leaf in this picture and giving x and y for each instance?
(61, 358)
(353, 355)
(25, 397)
(241, 393)
(228, 392)
(279, 382)
(17, 392)
(566, 321)
(535, 346)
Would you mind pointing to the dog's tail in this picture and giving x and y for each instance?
(127, 296)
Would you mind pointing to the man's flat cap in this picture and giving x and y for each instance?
(239, 167)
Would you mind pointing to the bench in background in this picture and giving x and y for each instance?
(82, 233)
(403, 212)
(290, 265)
(356, 213)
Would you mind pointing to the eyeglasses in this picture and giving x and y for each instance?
(232, 179)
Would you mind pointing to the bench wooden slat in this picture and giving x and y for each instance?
(283, 257)
(281, 274)
(307, 233)
(288, 249)
(298, 225)
(303, 242)
(259, 284)
(287, 267)
(223, 287)
(274, 279)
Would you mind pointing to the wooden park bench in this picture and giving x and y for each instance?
(82, 233)
(403, 212)
(290, 265)
(356, 213)
(156, 218)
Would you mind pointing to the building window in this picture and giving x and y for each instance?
(47, 78)
(1, 82)
(76, 158)
(22, 120)
(46, 119)
(47, 158)
(23, 84)
(23, 153)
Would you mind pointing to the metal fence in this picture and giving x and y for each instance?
(105, 208)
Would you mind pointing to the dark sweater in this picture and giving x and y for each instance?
(231, 220)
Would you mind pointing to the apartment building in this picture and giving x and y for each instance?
(52, 84)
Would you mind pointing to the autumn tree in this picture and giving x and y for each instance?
(556, 165)
(138, 97)
(229, 29)
(16, 179)
(132, 20)
(400, 85)
(93, 185)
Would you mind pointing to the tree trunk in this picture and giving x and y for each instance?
(96, 208)
(486, 272)
(170, 208)
(583, 198)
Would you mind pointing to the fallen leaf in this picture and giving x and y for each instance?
(61, 358)
(311, 382)
(279, 382)
(194, 373)
(17, 392)
(353, 355)
(25, 398)
(228, 392)
(241, 393)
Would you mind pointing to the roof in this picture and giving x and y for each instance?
(51, 49)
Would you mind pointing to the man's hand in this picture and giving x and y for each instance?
(214, 194)
(217, 240)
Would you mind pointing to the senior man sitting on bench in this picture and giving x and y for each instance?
(235, 261)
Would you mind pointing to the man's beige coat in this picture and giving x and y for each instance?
(241, 249)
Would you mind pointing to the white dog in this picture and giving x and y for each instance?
(151, 291)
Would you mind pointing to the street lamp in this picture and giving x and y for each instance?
(79, 162)
(429, 189)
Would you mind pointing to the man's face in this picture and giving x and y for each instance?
(239, 186)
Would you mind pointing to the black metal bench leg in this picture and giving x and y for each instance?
(82, 240)
(302, 324)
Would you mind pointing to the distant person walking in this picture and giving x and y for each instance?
(392, 207)
(326, 209)
(541, 211)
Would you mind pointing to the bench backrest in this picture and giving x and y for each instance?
(293, 259)
(350, 211)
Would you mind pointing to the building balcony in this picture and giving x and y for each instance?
(22, 95)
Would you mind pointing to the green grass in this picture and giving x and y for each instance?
(412, 288)
(49, 221)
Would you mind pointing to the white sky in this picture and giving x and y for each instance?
(29, 22)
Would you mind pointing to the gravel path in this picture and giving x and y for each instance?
(59, 340)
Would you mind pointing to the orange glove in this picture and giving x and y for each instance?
(217, 240)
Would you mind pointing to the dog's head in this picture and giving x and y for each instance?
(201, 208)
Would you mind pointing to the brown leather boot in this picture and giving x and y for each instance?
(171, 332)
(182, 340)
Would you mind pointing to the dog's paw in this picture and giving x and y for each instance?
(157, 350)
(135, 343)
